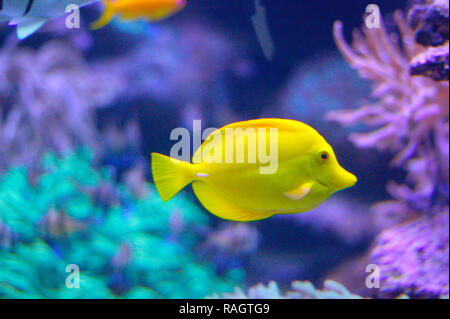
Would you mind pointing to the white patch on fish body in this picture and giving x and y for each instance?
(30, 15)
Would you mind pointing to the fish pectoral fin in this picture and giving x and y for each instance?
(27, 26)
(223, 208)
(300, 191)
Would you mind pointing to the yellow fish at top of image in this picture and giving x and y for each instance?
(152, 10)
(307, 171)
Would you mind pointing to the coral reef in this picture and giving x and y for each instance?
(433, 63)
(413, 258)
(411, 117)
(429, 20)
(120, 91)
(47, 101)
(121, 147)
(125, 246)
(300, 290)
(230, 245)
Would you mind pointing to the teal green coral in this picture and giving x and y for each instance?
(124, 246)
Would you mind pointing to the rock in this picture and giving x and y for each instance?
(430, 22)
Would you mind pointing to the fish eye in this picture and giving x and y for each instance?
(324, 156)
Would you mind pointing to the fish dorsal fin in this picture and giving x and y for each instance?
(27, 26)
(300, 191)
(223, 208)
(281, 124)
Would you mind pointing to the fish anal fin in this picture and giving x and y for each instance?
(300, 191)
(223, 208)
(27, 26)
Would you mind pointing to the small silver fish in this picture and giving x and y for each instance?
(30, 15)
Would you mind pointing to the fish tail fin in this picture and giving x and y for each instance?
(106, 17)
(170, 175)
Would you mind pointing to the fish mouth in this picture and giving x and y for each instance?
(349, 180)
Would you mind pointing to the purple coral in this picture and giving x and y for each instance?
(433, 63)
(413, 258)
(47, 101)
(429, 19)
(411, 116)
(430, 23)
(410, 113)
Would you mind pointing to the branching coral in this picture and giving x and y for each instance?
(410, 115)
(124, 246)
(47, 100)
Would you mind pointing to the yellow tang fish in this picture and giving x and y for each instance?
(152, 10)
(233, 179)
